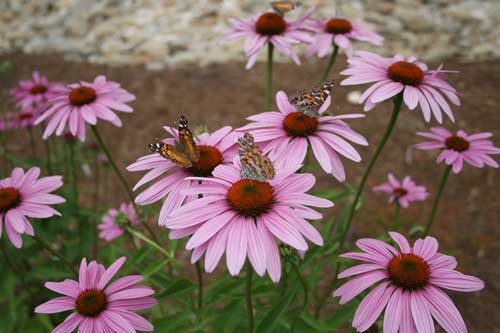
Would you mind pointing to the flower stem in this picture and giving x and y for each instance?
(306, 294)
(395, 217)
(199, 273)
(43, 244)
(398, 102)
(74, 179)
(331, 62)
(48, 153)
(32, 141)
(150, 242)
(248, 290)
(436, 200)
(269, 87)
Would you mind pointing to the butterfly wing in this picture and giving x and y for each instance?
(178, 156)
(186, 140)
(254, 165)
(283, 7)
(310, 101)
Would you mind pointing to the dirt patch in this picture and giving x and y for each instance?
(224, 94)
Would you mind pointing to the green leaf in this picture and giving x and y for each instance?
(278, 311)
(177, 288)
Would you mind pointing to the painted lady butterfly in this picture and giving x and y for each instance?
(254, 165)
(310, 101)
(283, 7)
(184, 152)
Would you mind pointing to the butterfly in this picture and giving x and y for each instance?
(283, 7)
(254, 165)
(310, 101)
(184, 152)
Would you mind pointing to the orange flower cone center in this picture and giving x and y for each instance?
(26, 116)
(270, 24)
(399, 192)
(300, 124)
(91, 302)
(457, 143)
(210, 158)
(251, 197)
(38, 89)
(338, 26)
(9, 198)
(406, 73)
(82, 95)
(409, 271)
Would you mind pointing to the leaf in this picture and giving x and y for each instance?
(278, 311)
(177, 288)
(173, 323)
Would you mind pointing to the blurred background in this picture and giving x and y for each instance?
(170, 55)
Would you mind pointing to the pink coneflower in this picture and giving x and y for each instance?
(215, 149)
(247, 217)
(397, 75)
(23, 119)
(339, 31)
(24, 195)
(272, 28)
(287, 134)
(99, 308)
(410, 286)
(32, 95)
(115, 220)
(459, 147)
(85, 102)
(402, 192)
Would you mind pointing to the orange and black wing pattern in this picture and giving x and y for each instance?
(310, 101)
(254, 165)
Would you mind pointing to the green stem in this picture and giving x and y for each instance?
(199, 273)
(306, 295)
(48, 154)
(331, 62)
(248, 291)
(395, 217)
(32, 141)
(43, 244)
(95, 249)
(398, 102)
(269, 74)
(74, 179)
(436, 200)
(150, 242)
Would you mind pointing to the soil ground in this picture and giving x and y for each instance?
(224, 94)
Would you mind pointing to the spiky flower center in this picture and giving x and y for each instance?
(457, 143)
(210, 158)
(409, 271)
(91, 302)
(82, 95)
(38, 89)
(406, 73)
(300, 124)
(338, 26)
(251, 197)
(9, 198)
(399, 192)
(270, 24)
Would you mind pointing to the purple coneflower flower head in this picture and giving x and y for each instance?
(474, 149)
(115, 220)
(23, 118)
(215, 149)
(340, 32)
(25, 195)
(32, 95)
(97, 306)
(412, 78)
(245, 217)
(409, 286)
(84, 102)
(402, 192)
(272, 28)
(286, 135)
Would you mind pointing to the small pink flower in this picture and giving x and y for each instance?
(339, 31)
(248, 218)
(114, 221)
(215, 149)
(272, 28)
(85, 102)
(287, 134)
(459, 147)
(24, 195)
(23, 119)
(32, 95)
(397, 75)
(98, 308)
(402, 192)
(410, 286)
